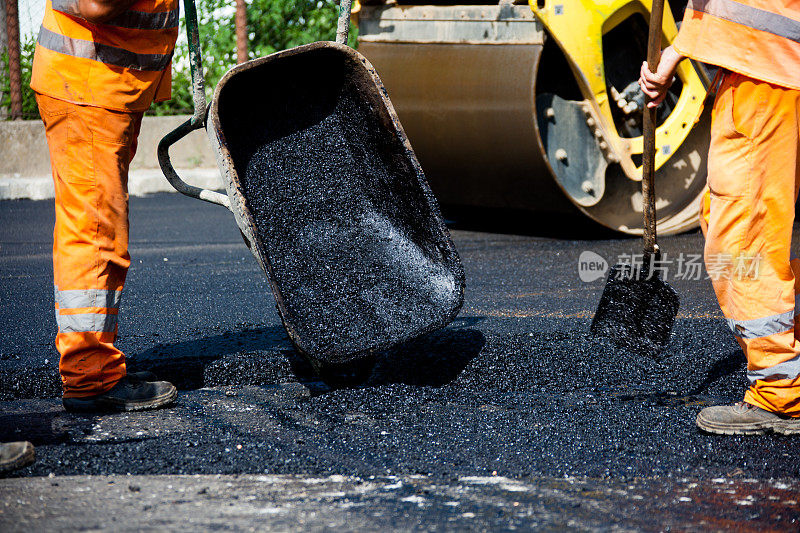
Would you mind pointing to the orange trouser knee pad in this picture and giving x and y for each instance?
(753, 170)
(90, 151)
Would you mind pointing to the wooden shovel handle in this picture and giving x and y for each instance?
(649, 133)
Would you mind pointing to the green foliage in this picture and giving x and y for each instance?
(280, 24)
(272, 25)
(29, 108)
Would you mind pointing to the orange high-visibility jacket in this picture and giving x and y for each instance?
(757, 38)
(125, 64)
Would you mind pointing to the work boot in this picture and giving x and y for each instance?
(15, 455)
(745, 419)
(130, 394)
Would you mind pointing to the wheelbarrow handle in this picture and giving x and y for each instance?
(169, 171)
(196, 62)
(197, 121)
(343, 28)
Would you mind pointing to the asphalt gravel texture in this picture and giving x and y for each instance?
(515, 386)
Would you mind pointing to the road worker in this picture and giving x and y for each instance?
(98, 66)
(753, 177)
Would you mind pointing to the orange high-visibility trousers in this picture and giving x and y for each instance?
(753, 178)
(90, 151)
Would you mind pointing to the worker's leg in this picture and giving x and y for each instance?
(752, 174)
(90, 151)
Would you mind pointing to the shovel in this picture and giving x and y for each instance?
(637, 309)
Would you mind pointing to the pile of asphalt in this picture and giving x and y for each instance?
(546, 401)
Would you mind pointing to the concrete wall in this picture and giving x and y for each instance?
(25, 161)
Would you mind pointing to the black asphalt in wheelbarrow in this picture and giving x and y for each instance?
(329, 197)
(349, 231)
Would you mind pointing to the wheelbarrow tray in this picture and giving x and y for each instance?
(333, 202)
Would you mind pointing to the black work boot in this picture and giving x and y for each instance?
(15, 455)
(130, 394)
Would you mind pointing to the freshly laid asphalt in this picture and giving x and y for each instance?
(515, 388)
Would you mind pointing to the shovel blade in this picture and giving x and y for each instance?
(635, 312)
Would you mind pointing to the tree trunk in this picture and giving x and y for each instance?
(14, 73)
(241, 31)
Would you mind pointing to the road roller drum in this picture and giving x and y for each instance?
(536, 107)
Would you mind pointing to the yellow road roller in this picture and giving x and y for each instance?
(535, 106)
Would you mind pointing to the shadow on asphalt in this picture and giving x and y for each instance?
(532, 224)
(43, 428)
(262, 356)
(730, 364)
(433, 360)
(187, 364)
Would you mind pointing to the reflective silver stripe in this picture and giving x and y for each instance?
(758, 328)
(109, 55)
(146, 21)
(750, 16)
(139, 20)
(85, 322)
(761, 327)
(70, 7)
(75, 299)
(786, 370)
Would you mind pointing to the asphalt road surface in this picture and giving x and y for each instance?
(513, 416)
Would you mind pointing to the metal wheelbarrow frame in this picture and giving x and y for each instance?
(423, 228)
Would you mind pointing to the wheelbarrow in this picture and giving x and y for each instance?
(328, 195)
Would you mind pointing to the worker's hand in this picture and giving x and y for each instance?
(656, 84)
(100, 11)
